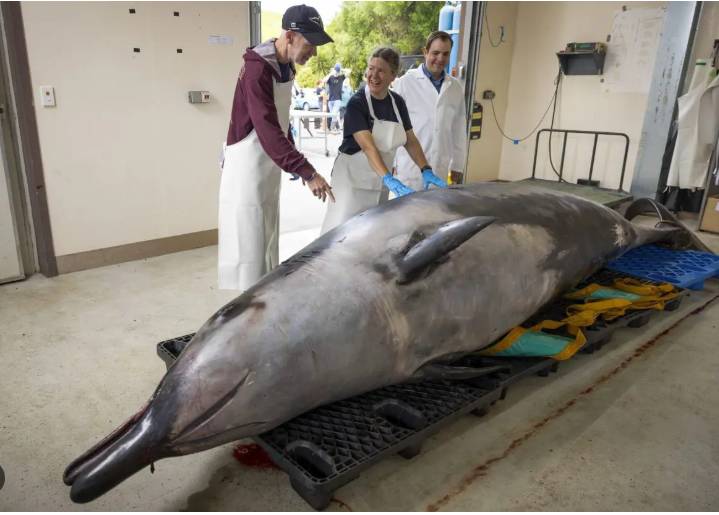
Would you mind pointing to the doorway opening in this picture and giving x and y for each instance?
(357, 28)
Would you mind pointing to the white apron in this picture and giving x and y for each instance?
(698, 114)
(355, 184)
(249, 214)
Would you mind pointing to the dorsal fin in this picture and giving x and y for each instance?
(437, 245)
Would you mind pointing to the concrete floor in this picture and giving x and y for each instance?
(633, 427)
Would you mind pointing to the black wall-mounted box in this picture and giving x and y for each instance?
(583, 58)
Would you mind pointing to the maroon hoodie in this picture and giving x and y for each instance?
(254, 108)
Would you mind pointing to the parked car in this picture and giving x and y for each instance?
(306, 99)
(346, 95)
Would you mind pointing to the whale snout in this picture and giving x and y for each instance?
(132, 447)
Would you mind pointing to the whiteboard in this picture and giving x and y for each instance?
(632, 49)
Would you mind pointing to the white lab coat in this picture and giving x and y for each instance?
(698, 120)
(438, 120)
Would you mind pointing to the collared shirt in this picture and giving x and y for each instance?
(437, 83)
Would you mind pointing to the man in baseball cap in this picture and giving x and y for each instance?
(259, 145)
(306, 20)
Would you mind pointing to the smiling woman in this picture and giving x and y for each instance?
(382, 69)
(377, 123)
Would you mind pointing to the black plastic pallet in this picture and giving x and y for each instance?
(330, 446)
(327, 447)
(169, 350)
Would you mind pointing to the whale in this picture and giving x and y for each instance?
(389, 296)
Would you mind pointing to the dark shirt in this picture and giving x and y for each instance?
(334, 86)
(357, 117)
(285, 71)
(254, 108)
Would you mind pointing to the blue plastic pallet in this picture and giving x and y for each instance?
(684, 268)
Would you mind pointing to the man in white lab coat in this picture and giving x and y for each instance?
(436, 105)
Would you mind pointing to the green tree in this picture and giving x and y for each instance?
(271, 25)
(360, 27)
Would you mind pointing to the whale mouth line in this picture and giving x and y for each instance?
(213, 410)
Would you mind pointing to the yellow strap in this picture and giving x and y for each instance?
(505, 342)
(512, 336)
(586, 314)
(599, 305)
(571, 349)
(638, 288)
(584, 292)
(651, 297)
(626, 284)
(547, 324)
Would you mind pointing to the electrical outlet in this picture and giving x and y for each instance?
(488, 94)
(199, 97)
(47, 96)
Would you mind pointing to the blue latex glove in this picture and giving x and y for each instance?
(395, 185)
(430, 178)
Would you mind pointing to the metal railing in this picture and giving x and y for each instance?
(594, 151)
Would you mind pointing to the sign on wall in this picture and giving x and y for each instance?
(475, 127)
(632, 49)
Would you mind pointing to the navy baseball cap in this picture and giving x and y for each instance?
(306, 20)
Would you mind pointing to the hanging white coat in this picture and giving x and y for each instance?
(698, 120)
(439, 121)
